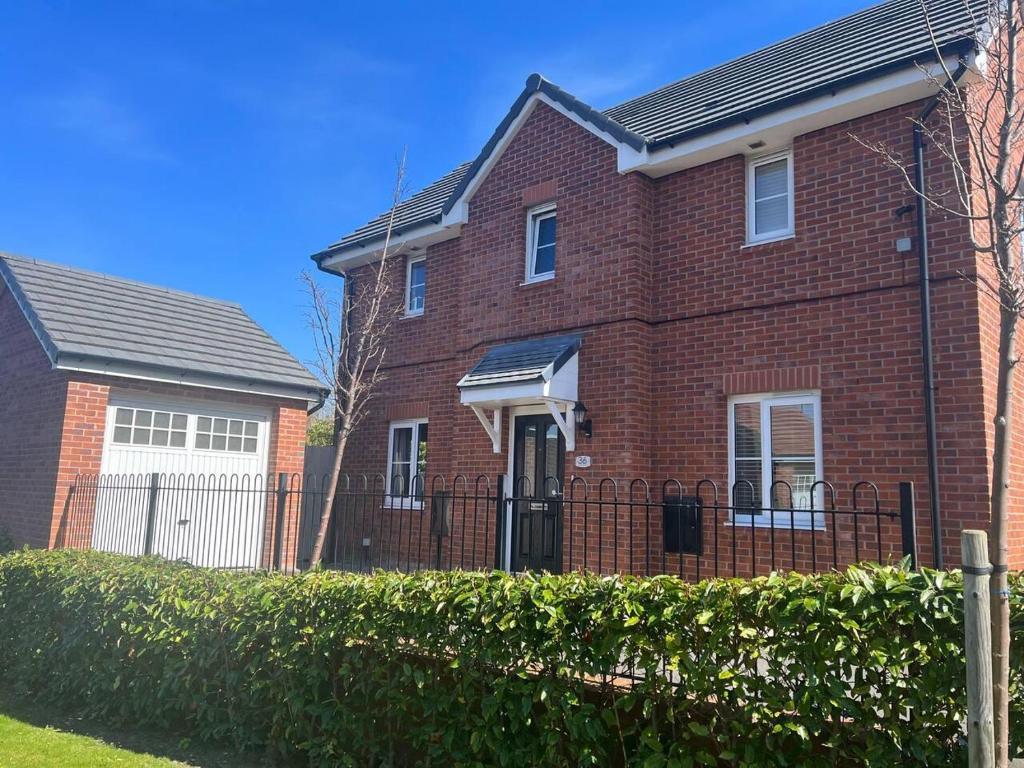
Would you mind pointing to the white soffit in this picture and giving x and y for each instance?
(778, 129)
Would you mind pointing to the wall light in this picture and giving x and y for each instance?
(583, 424)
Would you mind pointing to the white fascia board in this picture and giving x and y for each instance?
(775, 129)
(625, 152)
(778, 129)
(128, 371)
(451, 223)
(420, 237)
(499, 395)
(561, 386)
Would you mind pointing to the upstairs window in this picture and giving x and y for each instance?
(415, 285)
(407, 460)
(540, 243)
(770, 197)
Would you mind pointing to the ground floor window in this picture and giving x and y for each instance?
(775, 455)
(407, 459)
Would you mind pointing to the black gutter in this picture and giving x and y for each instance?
(924, 286)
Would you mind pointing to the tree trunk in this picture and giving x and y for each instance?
(998, 546)
(332, 490)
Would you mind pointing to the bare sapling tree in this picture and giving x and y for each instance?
(977, 129)
(350, 334)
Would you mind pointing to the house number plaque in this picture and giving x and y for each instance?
(582, 462)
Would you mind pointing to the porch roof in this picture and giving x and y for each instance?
(522, 362)
(535, 372)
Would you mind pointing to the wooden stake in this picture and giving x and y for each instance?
(978, 646)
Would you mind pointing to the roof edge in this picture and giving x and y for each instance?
(961, 47)
(574, 342)
(536, 84)
(568, 352)
(107, 366)
(21, 299)
(333, 250)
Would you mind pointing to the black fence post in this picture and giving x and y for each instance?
(499, 526)
(282, 504)
(908, 523)
(154, 494)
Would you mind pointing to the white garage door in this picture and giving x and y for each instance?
(211, 501)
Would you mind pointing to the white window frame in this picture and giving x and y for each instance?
(408, 285)
(533, 218)
(131, 444)
(197, 432)
(405, 502)
(805, 520)
(790, 228)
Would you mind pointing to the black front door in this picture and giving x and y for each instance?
(538, 464)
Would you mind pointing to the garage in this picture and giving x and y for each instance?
(211, 460)
(140, 419)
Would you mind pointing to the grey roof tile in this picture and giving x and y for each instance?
(82, 314)
(863, 45)
(420, 208)
(521, 361)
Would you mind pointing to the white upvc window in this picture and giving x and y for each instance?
(775, 459)
(541, 231)
(770, 197)
(407, 461)
(415, 285)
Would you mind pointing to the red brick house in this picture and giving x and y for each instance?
(104, 375)
(718, 271)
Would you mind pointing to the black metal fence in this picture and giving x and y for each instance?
(208, 520)
(696, 531)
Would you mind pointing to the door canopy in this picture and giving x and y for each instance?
(535, 372)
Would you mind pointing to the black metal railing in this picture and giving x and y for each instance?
(608, 526)
(632, 527)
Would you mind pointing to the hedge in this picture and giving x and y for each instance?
(467, 669)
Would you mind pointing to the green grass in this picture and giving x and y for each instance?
(34, 737)
(30, 746)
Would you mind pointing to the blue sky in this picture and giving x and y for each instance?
(212, 146)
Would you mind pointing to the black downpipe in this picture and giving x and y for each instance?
(924, 286)
(348, 289)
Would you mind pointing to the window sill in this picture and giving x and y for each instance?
(781, 523)
(536, 280)
(400, 504)
(767, 240)
(412, 315)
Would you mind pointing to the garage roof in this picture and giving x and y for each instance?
(859, 47)
(103, 324)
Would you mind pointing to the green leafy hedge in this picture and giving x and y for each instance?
(443, 669)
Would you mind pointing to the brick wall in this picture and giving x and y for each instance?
(677, 313)
(31, 415)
